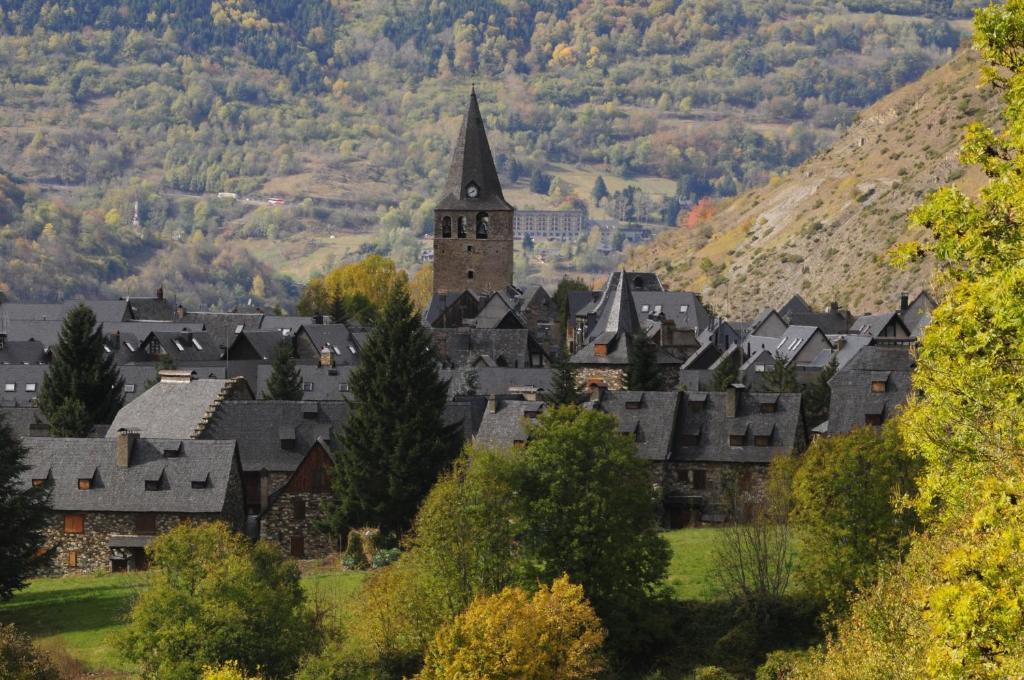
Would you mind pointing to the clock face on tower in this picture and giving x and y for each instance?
(472, 191)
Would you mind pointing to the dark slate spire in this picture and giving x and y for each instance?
(619, 313)
(472, 163)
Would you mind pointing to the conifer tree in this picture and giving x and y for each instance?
(781, 377)
(564, 389)
(83, 371)
(394, 443)
(24, 516)
(285, 382)
(472, 380)
(600, 190)
(726, 373)
(818, 395)
(642, 372)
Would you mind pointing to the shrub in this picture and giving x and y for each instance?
(227, 671)
(553, 634)
(20, 660)
(712, 673)
(216, 597)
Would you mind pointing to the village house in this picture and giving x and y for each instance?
(870, 388)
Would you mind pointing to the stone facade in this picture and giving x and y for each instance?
(465, 261)
(298, 536)
(615, 376)
(698, 493)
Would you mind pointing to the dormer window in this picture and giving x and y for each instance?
(446, 227)
(85, 483)
(645, 308)
(683, 308)
(152, 485)
(9, 387)
(483, 224)
(878, 386)
(462, 227)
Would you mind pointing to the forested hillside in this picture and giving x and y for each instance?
(347, 109)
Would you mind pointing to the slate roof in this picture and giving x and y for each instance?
(105, 310)
(465, 347)
(448, 310)
(498, 312)
(672, 306)
(45, 332)
(788, 346)
(173, 410)
(256, 426)
(336, 337)
(472, 162)
(20, 384)
(21, 419)
(23, 352)
(795, 305)
(831, 323)
(918, 313)
(324, 384)
(498, 380)
(274, 322)
(124, 489)
(151, 309)
(263, 343)
(874, 324)
(183, 346)
(713, 428)
(852, 397)
(223, 326)
(649, 417)
(507, 427)
(763, 321)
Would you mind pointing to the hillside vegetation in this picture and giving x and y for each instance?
(347, 111)
(824, 229)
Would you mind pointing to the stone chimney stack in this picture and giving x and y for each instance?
(904, 302)
(732, 399)
(125, 445)
(492, 404)
(172, 376)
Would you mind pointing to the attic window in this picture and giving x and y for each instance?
(874, 419)
(635, 404)
(683, 309)
(30, 387)
(762, 440)
(768, 407)
(9, 387)
(38, 482)
(645, 308)
(177, 343)
(737, 439)
(878, 386)
(152, 485)
(199, 484)
(85, 484)
(197, 345)
(106, 349)
(239, 328)
(129, 346)
(129, 388)
(352, 348)
(657, 309)
(792, 345)
(343, 387)
(307, 387)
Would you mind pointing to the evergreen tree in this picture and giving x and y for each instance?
(24, 516)
(540, 183)
(726, 373)
(81, 370)
(472, 380)
(642, 372)
(564, 388)
(338, 310)
(394, 443)
(285, 382)
(781, 377)
(527, 243)
(818, 395)
(600, 191)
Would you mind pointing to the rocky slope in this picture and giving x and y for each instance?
(824, 229)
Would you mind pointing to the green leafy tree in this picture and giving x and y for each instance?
(781, 377)
(843, 502)
(600, 191)
(818, 395)
(642, 371)
(214, 597)
(395, 442)
(564, 386)
(589, 510)
(24, 516)
(285, 381)
(726, 373)
(82, 371)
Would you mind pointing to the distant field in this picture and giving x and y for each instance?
(81, 614)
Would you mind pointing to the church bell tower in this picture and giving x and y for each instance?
(473, 236)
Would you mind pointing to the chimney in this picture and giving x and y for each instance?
(125, 444)
(172, 376)
(833, 307)
(904, 302)
(732, 399)
(492, 404)
(160, 293)
(326, 358)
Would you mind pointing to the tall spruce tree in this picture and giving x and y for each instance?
(394, 443)
(642, 372)
(285, 382)
(24, 516)
(83, 371)
(564, 389)
(600, 190)
(781, 377)
(818, 395)
(726, 373)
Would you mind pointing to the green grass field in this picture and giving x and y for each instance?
(80, 614)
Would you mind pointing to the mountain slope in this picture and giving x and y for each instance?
(823, 230)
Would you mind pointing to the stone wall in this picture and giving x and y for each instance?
(279, 524)
(731, 491)
(489, 259)
(615, 376)
(92, 545)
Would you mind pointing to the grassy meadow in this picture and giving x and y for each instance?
(77, 617)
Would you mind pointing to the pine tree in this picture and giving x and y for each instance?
(726, 373)
(600, 191)
(472, 382)
(564, 389)
(642, 372)
(81, 370)
(818, 395)
(285, 382)
(394, 443)
(781, 377)
(24, 516)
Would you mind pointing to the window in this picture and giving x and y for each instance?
(129, 388)
(462, 227)
(645, 308)
(700, 479)
(74, 524)
(38, 482)
(299, 508)
(152, 485)
(154, 347)
(145, 523)
(768, 408)
(307, 387)
(792, 345)
(762, 440)
(30, 387)
(873, 419)
(196, 344)
(469, 275)
(878, 386)
(657, 309)
(683, 308)
(446, 227)
(200, 484)
(177, 343)
(469, 249)
(483, 224)
(9, 387)
(759, 368)
(736, 439)
(84, 484)
(73, 559)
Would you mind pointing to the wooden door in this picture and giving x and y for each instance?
(298, 547)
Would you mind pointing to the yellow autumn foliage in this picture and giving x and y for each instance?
(552, 635)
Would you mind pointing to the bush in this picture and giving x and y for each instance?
(216, 597)
(20, 660)
(228, 671)
(712, 673)
(779, 665)
(553, 634)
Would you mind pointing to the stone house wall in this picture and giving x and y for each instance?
(731, 491)
(615, 376)
(489, 259)
(279, 524)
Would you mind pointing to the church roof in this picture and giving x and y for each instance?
(472, 163)
(619, 312)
